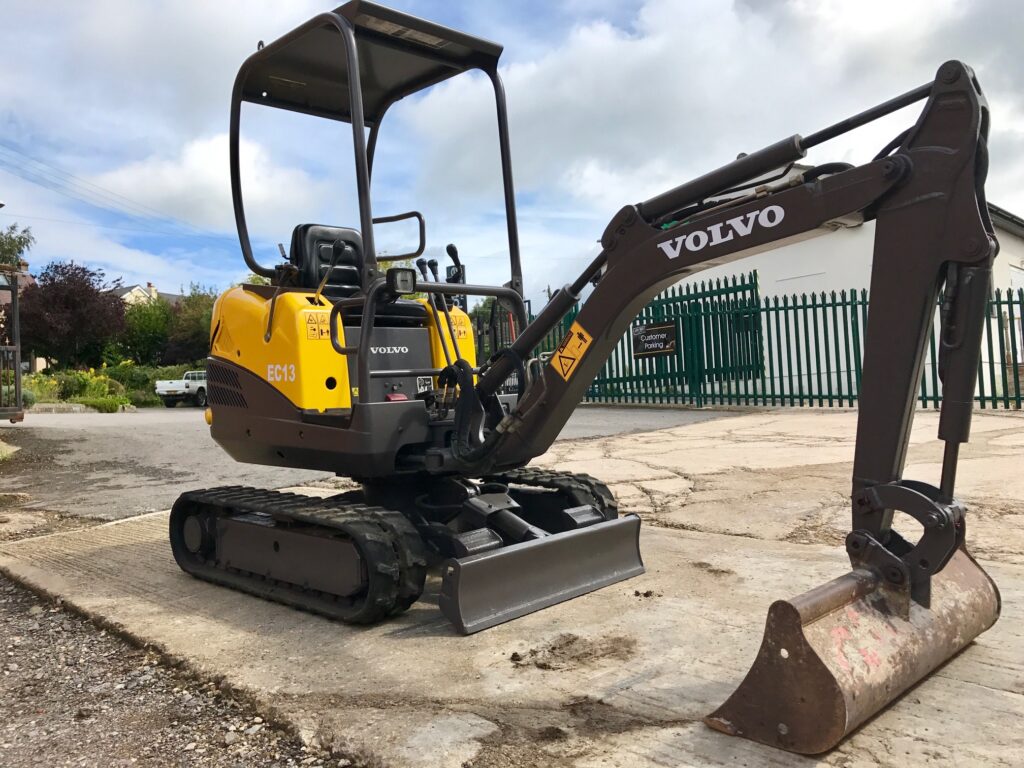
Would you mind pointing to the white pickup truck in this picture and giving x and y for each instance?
(191, 388)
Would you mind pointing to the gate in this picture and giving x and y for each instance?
(10, 346)
(716, 330)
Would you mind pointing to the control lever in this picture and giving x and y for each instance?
(453, 254)
(340, 248)
(458, 276)
(444, 305)
(421, 265)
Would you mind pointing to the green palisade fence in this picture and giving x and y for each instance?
(735, 348)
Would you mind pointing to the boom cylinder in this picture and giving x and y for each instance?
(532, 335)
(742, 169)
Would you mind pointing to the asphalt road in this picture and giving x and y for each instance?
(122, 464)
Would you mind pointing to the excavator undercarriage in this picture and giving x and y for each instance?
(344, 365)
(362, 556)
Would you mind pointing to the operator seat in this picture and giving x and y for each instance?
(311, 250)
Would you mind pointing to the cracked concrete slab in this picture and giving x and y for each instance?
(620, 677)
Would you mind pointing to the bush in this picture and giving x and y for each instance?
(176, 371)
(103, 404)
(43, 387)
(71, 384)
(28, 397)
(131, 376)
(142, 398)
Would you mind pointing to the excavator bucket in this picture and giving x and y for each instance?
(482, 590)
(834, 656)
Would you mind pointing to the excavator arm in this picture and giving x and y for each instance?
(933, 235)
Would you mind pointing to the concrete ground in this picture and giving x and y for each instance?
(736, 513)
(118, 465)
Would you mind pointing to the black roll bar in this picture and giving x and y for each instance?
(345, 29)
(364, 151)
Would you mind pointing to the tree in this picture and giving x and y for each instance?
(70, 314)
(147, 328)
(189, 334)
(482, 309)
(14, 244)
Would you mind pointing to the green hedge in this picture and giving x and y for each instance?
(142, 398)
(144, 377)
(125, 383)
(102, 404)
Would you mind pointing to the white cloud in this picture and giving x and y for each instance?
(628, 100)
(618, 113)
(62, 234)
(128, 77)
(195, 186)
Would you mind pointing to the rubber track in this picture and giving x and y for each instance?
(393, 551)
(582, 489)
(409, 546)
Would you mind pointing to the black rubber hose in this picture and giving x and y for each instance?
(888, 148)
(469, 415)
(825, 169)
(520, 367)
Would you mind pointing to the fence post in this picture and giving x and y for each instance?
(1012, 314)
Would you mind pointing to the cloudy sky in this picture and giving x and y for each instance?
(114, 113)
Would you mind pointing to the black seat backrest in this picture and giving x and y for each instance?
(311, 250)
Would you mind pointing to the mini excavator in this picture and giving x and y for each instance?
(350, 364)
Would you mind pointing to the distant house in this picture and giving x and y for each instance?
(134, 294)
(28, 360)
(24, 281)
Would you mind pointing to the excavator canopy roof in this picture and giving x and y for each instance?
(307, 70)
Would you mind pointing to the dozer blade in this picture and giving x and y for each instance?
(834, 656)
(482, 590)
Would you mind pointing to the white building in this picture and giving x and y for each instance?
(800, 354)
(841, 260)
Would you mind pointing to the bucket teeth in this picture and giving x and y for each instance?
(835, 656)
(482, 590)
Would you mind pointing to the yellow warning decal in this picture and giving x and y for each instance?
(571, 351)
(318, 325)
